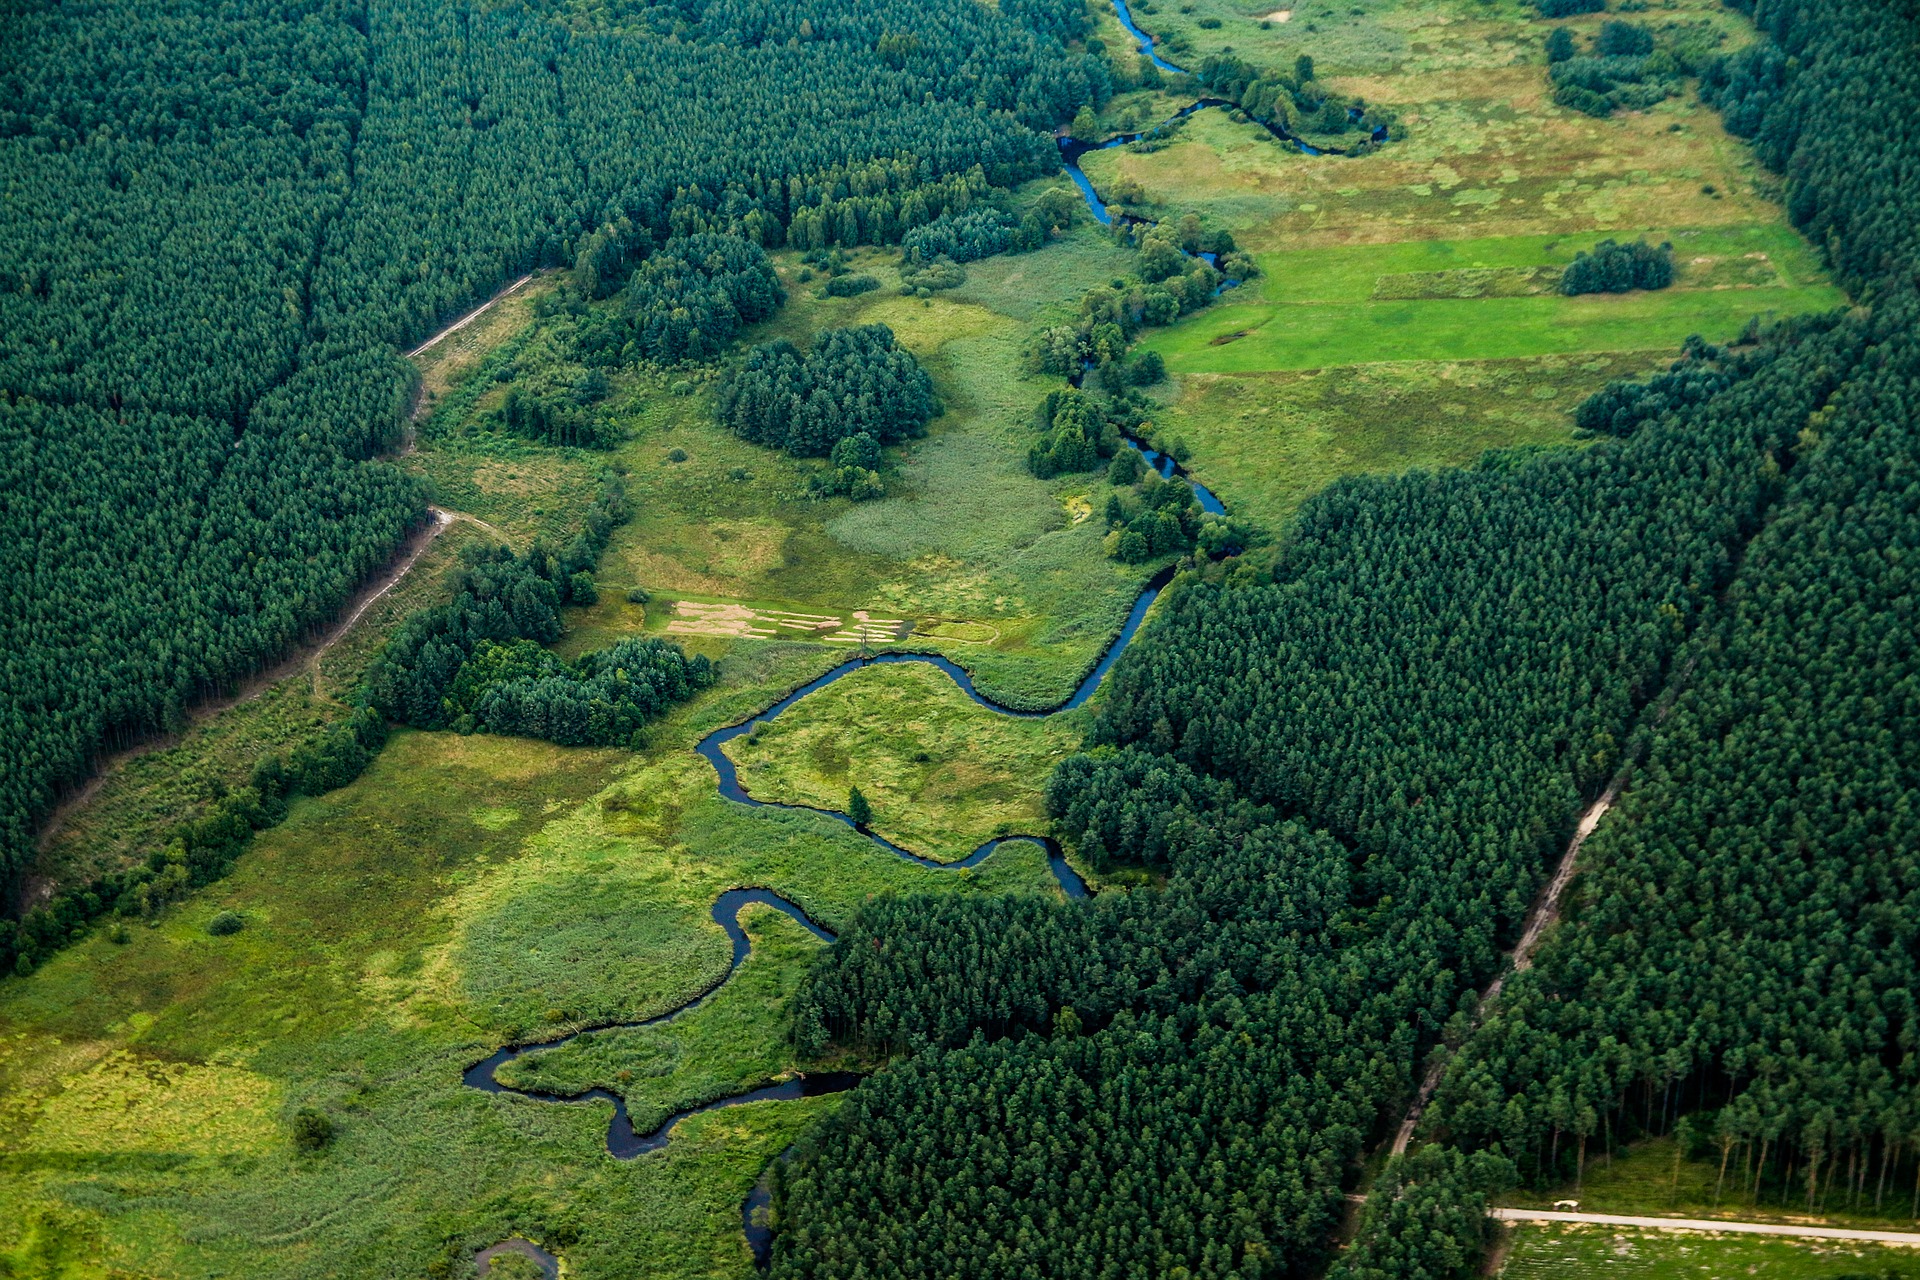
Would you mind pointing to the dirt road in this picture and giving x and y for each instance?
(470, 317)
(1711, 1224)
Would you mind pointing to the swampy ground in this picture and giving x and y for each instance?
(468, 892)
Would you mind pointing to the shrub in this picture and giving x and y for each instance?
(312, 1130)
(637, 595)
(225, 923)
(849, 285)
(1569, 8)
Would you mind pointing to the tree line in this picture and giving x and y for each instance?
(230, 216)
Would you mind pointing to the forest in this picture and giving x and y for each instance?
(1318, 794)
(1393, 732)
(231, 218)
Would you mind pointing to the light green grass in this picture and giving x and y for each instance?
(1558, 1251)
(943, 774)
(1317, 309)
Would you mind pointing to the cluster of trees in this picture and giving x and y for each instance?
(686, 301)
(1112, 315)
(605, 698)
(1623, 70)
(856, 381)
(231, 215)
(1075, 434)
(852, 471)
(1158, 517)
(1352, 774)
(1612, 267)
(1295, 103)
(988, 230)
(1738, 961)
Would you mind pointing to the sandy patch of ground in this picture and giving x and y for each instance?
(693, 618)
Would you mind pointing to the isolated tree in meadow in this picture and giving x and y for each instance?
(858, 808)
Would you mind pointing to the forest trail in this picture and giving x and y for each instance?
(300, 658)
(1909, 1238)
(1546, 909)
(470, 317)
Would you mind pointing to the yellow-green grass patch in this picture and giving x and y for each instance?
(1567, 1251)
(1266, 442)
(942, 773)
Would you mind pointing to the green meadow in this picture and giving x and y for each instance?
(1315, 308)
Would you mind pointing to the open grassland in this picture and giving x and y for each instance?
(1267, 442)
(733, 1042)
(965, 534)
(1488, 299)
(1407, 311)
(943, 774)
(1566, 1251)
(463, 893)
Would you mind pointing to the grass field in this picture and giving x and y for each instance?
(1560, 1251)
(943, 774)
(1266, 442)
(1316, 308)
(462, 893)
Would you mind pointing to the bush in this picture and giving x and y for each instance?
(850, 285)
(1569, 8)
(312, 1130)
(225, 923)
(1623, 40)
(637, 595)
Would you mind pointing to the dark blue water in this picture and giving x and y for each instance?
(622, 1142)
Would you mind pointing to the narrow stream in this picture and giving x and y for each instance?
(623, 1143)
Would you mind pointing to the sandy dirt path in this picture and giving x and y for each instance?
(1711, 1224)
(302, 657)
(470, 317)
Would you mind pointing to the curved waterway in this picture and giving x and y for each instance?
(623, 1142)
(1071, 148)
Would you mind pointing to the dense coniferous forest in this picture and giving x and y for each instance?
(1399, 729)
(1355, 776)
(227, 218)
(1740, 952)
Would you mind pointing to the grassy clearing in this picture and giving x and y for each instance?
(1564, 1251)
(447, 362)
(463, 892)
(1647, 1179)
(1267, 442)
(734, 1041)
(943, 774)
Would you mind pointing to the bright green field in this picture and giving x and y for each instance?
(1313, 309)
(1542, 1251)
